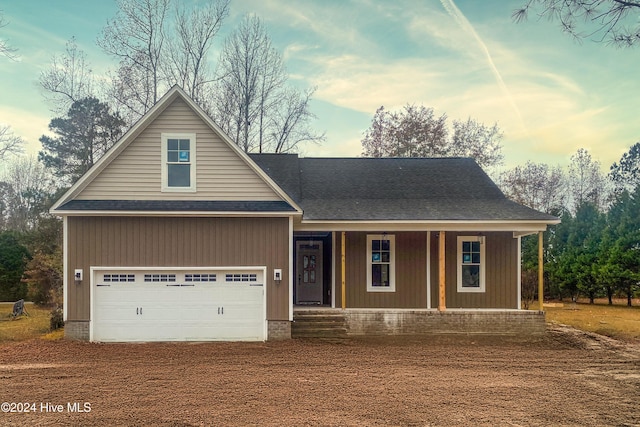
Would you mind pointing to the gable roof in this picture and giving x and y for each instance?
(69, 203)
(388, 189)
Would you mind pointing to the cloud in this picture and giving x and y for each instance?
(28, 125)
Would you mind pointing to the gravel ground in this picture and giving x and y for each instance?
(566, 378)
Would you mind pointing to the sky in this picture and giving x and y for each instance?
(549, 94)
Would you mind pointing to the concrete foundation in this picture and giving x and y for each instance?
(411, 322)
(360, 322)
(278, 330)
(76, 330)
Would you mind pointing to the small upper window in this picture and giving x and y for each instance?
(471, 264)
(381, 272)
(178, 162)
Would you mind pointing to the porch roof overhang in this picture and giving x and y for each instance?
(517, 227)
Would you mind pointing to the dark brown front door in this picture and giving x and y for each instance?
(309, 272)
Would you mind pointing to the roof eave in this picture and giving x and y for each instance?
(519, 226)
(63, 213)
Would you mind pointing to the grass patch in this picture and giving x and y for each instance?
(616, 321)
(24, 327)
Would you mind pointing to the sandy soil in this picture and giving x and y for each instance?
(566, 378)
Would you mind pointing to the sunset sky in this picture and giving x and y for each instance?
(549, 94)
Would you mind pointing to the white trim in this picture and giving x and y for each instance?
(517, 234)
(392, 262)
(291, 281)
(519, 278)
(483, 264)
(420, 225)
(94, 269)
(428, 269)
(193, 160)
(333, 269)
(65, 267)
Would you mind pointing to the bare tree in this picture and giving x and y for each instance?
(254, 105)
(154, 55)
(187, 52)
(536, 185)
(478, 141)
(612, 20)
(415, 131)
(26, 189)
(290, 122)
(586, 182)
(251, 71)
(68, 79)
(9, 142)
(5, 48)
(136, 37)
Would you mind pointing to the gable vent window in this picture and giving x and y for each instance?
(241, 277)
(159, 277)
(200, 277)
(178, 162)
(119, 278)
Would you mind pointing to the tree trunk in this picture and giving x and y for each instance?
(610, 295)
(629, 298)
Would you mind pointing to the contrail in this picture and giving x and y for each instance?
(466, 26)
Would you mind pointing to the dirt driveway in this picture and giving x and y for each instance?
(567, 378)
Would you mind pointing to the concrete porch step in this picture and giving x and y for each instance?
(318, 324)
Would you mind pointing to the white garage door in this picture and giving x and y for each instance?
(178, 305)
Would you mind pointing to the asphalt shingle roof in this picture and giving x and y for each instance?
(392, 189)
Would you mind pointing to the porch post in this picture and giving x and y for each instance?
(343, 271)
(442, 300)
(540, 271)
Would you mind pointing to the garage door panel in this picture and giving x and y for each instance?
(156, 305)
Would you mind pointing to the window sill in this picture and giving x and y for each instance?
(178, 190)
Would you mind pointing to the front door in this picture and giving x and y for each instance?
(309, 272)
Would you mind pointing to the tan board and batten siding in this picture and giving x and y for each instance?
(136, 173)
(178, 242)
(411, 273)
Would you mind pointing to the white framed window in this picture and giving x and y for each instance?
(179, 162)
(381, 263)
(471, 264)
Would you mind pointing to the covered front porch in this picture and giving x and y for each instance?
(407, 269)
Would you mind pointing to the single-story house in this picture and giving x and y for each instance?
(177, 234)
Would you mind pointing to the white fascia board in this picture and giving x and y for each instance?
(517, 234)
(176, 213)
(518, 226)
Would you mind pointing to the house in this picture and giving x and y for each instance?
(177, 234)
